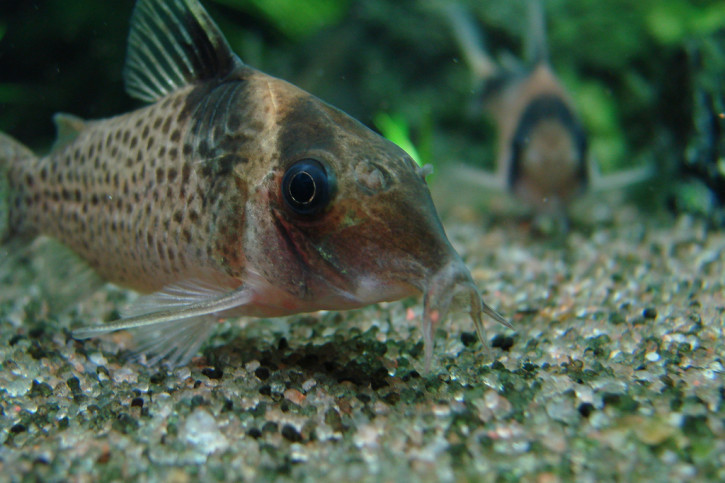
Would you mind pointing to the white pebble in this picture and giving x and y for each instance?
(652, 356)
(200, 430)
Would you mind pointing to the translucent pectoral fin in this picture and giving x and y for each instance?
(620, 179)
(478, 177)
(175, 342)
(174, 322)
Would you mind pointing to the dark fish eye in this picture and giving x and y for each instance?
(306, 187)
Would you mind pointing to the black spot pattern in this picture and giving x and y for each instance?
(126, 196)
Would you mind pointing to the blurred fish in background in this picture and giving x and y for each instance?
(543, 156)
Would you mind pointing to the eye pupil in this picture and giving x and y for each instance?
(302, 187)
(307, 187)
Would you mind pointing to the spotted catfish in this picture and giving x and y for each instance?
(232, 193)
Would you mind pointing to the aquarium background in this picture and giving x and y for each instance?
(645, 76)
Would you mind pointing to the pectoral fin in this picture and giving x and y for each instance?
(620, 179)
(479, 177)
(175, 342)
(176, 320)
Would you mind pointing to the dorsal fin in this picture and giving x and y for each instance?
(67, 128)
(173, 43)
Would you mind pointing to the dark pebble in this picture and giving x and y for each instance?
(695, 426)
(40, 389)
(503, 342)
(157, 378)
(378, 383)
(649, 313)
(468, 338)
(63, 422)
(411, 375)
(585, 409)
(74, 384)
(212, 372)
(291, 434)
(623, 402)
(262, 373)
(15, 339)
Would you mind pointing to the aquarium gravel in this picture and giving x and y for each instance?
(614, 373)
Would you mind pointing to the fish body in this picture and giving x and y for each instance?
(542, 145)
(231, 193)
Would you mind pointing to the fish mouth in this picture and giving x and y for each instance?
(452, 288)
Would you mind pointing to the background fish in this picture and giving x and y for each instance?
(232, 193)
(542, 146)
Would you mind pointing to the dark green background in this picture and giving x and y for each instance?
(628, 65)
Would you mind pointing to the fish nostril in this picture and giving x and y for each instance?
(371, 178)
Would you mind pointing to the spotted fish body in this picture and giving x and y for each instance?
(123, 187)
(232, 193)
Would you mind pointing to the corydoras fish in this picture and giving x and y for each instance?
(542, 146)
(232, 193)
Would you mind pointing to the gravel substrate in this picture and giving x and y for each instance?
(614, 372)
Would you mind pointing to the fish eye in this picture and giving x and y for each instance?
(307, 187)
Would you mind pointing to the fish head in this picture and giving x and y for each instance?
(549, 149)
(551, 162)
(344, 218)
